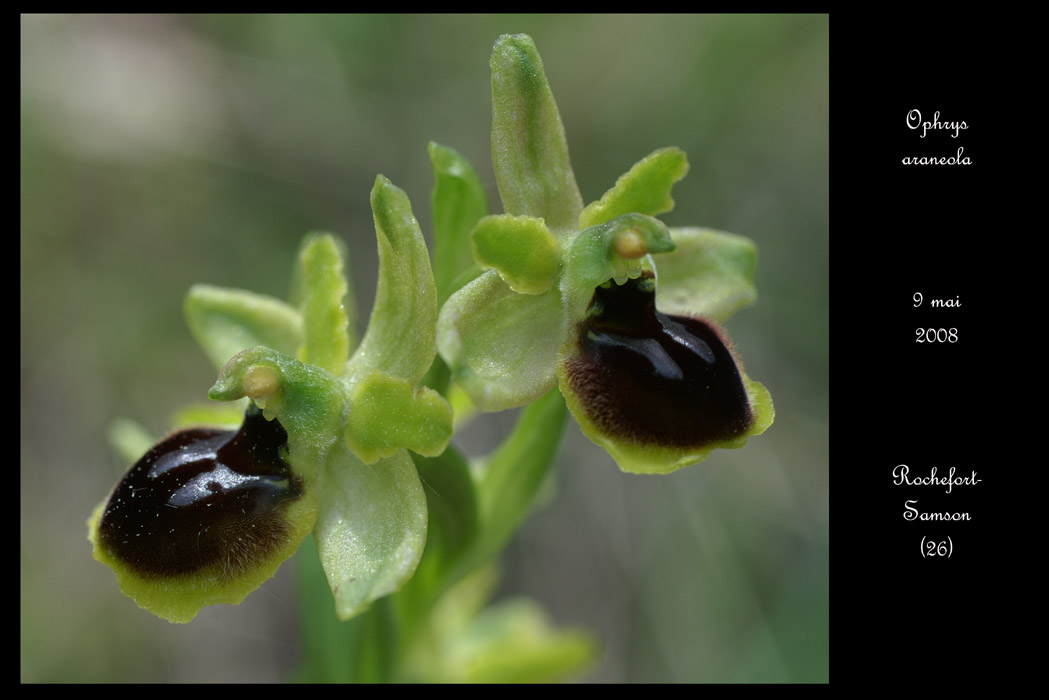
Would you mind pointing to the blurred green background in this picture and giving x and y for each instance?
(159, 151)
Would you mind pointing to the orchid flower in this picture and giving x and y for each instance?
(603, 301)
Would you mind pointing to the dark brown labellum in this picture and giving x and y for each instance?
(203, 499)
(648, 377)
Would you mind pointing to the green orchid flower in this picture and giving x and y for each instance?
(568, 295)
(208, 514)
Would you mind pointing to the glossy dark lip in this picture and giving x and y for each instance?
(203, 499)
(652, 378)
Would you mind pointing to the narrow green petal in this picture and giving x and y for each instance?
(645, 188)
(400, 336)
(710, 274)
(458, 202)
(529, 151)
(371, 527)
(226, 321)
(500, 345)
(521, 248)
(387, 414)
(325, 322)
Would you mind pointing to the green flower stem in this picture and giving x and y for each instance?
(361, 650)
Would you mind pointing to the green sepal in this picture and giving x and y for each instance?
(591, 257)
(458, 202)
(226, 321)
(501, 346)
(400, 336)
(308, 401)
(645, 188)
(388, 414)
(710, 274)
(529, 151)
(521, 248)
(322, 290)
(371, 527)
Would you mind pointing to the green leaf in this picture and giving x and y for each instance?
(458, 202)
(501, 346)
(454, 525)
(323, 290)
(513, 475)
(400, 336)
(521, 248)
(371, 527)
(644, 189)
(452, 501)
(226, 321)
(710, 274)
(529, 151)
(387, 415)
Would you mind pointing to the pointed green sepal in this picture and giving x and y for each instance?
(322, 291)
(387, 414)
(644, 189)
(226, 321)
(710, 274)
(371, 528)
(458, 202)
(529, 151)
(521, 248)
(501, 346)
(400, 336)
